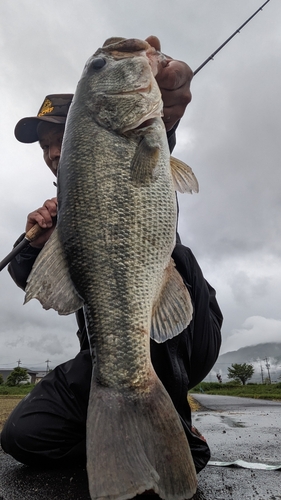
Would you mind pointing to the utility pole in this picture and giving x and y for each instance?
(19, 362)
(48, 367)
(262, 380)
(268, 366)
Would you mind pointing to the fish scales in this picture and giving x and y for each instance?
(116, 233)
(129, 224)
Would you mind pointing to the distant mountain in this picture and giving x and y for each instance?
(266, 359)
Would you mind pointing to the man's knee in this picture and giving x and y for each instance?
(14, 440)
(42, 440)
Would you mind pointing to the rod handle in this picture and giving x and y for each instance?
(34, 232)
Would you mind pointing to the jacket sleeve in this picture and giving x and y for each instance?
(171, 136)
(20, 267)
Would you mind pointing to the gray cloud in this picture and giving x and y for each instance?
(246, 288)
(254, 330)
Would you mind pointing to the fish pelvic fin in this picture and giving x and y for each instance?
(173, 309)
(135, 444)
(50, 282)
(183, 177)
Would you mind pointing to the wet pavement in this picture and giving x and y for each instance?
(245, 429)
(235, 428)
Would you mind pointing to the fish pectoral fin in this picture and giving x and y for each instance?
(50, 282)
(145, 165)
(183, 177)
(173, 309)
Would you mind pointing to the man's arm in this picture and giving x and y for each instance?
(20, 267)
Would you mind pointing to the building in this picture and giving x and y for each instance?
(34, 376)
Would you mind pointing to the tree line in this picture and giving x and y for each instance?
(237, 372)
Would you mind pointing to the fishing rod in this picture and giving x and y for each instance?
(30, 236)
(211, 57)
(36, 230)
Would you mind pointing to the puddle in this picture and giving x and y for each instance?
(231, 422)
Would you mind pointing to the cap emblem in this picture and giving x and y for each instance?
(46, 108)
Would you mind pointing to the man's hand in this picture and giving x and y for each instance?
(173, 78)
(45, 217)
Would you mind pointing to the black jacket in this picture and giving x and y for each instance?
(182, 362)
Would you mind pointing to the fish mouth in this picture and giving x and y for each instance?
(139, 90)
(146, 123)
(136, 91)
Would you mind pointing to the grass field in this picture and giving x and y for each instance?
(9, 398)
(8, 403)
(257, 391)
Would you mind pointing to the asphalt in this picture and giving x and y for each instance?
(235, 428)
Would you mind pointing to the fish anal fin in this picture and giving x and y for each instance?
(173, 309)
(145, 162)
(183, 177)
(136, 443)
(50, 282)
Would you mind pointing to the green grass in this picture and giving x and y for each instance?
(257, 391)
(20, 390)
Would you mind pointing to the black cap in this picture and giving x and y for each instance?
(54, 109)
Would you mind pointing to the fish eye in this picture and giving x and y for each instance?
(98, 63)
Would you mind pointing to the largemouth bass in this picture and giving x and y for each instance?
(111, 253)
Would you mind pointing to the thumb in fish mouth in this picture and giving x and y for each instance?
(154, 42)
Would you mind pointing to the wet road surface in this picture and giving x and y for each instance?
(245, 429)
(235, 428)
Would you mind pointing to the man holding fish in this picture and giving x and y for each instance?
(48, 428)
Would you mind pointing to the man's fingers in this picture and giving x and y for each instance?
(180, 97)
(43, 215)
(174, 75)
(51, 206)
(174, 105)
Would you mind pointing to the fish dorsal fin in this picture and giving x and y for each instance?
(145, 162)
(50, 282)
(173, 309)
(184, 179)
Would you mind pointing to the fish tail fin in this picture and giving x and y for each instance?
(135, 444)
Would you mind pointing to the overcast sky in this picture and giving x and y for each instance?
(230, 136)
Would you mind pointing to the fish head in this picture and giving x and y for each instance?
(118, 85)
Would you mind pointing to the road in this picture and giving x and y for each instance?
(245, 429)
(235, 428)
